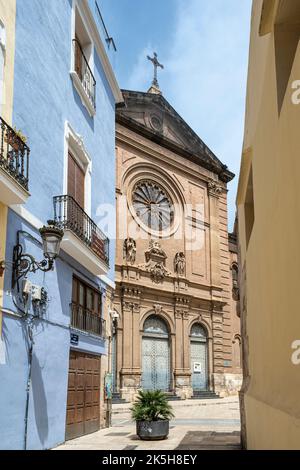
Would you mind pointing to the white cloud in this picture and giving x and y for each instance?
(139, 78)
(205, 74)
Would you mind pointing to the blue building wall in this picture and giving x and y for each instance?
(44, 99)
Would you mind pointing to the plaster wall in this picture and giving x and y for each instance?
(44, 100)
(270, 258)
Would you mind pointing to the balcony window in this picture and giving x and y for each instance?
(14, 166)
(86, 309)
(70, 215)
(84, 73)
(83, 65)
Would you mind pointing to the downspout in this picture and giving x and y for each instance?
(30, 355)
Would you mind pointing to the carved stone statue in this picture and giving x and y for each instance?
(129, 250)
(179, 264)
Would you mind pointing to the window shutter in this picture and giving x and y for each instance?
(71, 177)
(75, 181)
(79, 186)
(78, 59)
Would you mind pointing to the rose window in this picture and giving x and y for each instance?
(153, 205)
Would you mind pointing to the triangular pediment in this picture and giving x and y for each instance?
(152, 115)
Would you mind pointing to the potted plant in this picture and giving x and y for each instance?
(14, 138)
(152, 413)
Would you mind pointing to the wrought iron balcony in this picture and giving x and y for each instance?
(84, 320)
(84, 73)
(14, 154)
(69, 215)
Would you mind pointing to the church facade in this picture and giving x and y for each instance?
(176, 324)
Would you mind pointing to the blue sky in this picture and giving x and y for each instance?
(203, 45)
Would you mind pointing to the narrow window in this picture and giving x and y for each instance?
(249, 208)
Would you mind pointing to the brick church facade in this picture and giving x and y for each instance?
(176, 320)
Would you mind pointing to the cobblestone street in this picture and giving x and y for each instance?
(198, 424)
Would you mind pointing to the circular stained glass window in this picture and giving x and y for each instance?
(153, 205)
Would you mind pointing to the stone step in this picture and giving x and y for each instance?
(173, 398)
(205, 395)
(117, 400)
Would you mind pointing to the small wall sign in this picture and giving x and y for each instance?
(197, 367)
(74, 339)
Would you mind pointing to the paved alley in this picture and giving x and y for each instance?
(198, 424)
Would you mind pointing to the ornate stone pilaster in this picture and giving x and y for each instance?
(131, 368)
(182, 367)
(217, 347)
(214, 192)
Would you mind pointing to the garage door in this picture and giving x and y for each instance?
(83, 404)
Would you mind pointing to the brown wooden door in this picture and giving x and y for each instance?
(83, 403)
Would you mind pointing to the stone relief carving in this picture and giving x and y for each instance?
(179, 264)
(214, 189)
(131, 306)
(156, 262)
(157, 309)
(155, 249)
(129, 250)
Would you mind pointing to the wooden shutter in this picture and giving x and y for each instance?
(79, 186)
(75, 181)
(78, 59)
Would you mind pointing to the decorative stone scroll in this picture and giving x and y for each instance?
(214, 189)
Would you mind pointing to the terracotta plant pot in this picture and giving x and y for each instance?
(13, 143)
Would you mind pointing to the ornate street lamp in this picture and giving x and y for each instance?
(51, 236)
(23, 263)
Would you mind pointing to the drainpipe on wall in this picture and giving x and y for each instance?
(30, 355)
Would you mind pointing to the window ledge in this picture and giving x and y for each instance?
(82, 93)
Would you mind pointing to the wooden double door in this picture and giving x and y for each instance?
(83, 402)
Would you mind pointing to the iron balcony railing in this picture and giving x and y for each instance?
(84, 320)
(84, 72)
(14, 154)
(69, 215)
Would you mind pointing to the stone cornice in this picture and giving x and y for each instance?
(126, 139)
(198, 152)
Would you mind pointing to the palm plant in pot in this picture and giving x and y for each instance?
(152, 413)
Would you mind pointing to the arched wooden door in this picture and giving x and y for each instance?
(199, 358)
(155, 355)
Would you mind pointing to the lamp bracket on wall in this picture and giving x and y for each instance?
(24, 263)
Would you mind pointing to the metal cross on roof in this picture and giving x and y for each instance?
(156, 64)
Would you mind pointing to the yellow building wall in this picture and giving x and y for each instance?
(270, 264)
(8, 18)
